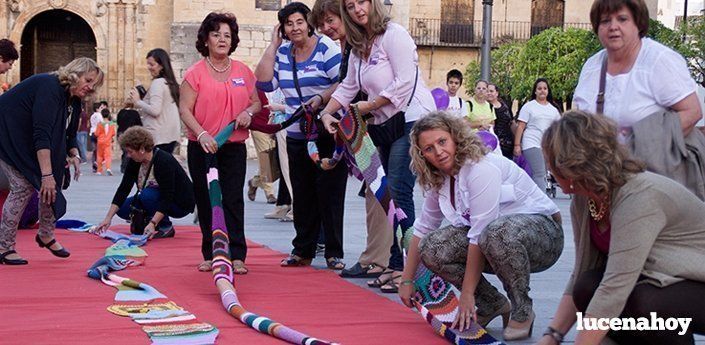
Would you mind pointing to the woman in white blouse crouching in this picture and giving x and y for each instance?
(497, 216)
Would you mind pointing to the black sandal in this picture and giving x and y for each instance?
(62, 253)
(392, 285)
(384, 278)
(295, 261)
(335, 264)
(6, 261)
(359, 271)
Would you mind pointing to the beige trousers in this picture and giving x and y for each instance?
(379, 233)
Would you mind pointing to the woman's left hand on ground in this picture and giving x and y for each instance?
(243, 120)
(466, 312)
(406, 291)
(76, 162)
(149, 230)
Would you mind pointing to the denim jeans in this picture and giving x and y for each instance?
(395, 161)
(149, 199)
(82, 138)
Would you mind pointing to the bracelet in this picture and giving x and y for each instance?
(407, 282)
(48, 175)
(553, 333)
(319, 96)
(249, 113)
(374, 103)
(151, 221)
(320, 115)
(198, 138)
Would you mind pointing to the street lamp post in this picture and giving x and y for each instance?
(486, 39)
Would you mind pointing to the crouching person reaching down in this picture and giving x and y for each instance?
(514, 228)
(639, 237)
(157, 175)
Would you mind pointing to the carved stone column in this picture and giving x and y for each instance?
(121, 49)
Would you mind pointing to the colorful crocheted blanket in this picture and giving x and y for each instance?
(164, 322)
(437, 301)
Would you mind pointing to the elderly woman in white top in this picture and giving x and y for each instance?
(384, 66)
(498, 217)
(159, 108)
(642, 77)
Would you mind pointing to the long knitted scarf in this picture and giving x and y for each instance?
(223, 269)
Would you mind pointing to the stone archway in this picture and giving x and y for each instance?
(52, 39)
(26, 15)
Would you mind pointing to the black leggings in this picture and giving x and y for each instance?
(682, 299)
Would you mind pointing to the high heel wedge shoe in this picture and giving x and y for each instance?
(503, 311)
(62, 253)
(520, 330)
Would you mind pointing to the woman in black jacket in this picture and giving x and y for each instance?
(38, 123)
(157, 195)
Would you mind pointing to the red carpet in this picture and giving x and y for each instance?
(52, 301)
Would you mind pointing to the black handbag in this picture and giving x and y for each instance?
(387, 132)
(138, 215)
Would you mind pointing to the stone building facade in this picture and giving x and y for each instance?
(119, 33)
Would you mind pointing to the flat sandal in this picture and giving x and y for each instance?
(384, 278)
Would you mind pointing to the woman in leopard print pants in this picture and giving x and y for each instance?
(501, 223)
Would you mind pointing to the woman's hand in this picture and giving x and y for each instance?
(406, 291)
(364, 107)
(276, 107)
(315, 102)
(243, 120)
(329, 123)
(276, 37)
(104, 225)
(466, 312)
(135, 95)
(208, 144)
(76, 162)
(47, 191)
(517, 150)
(149, 230)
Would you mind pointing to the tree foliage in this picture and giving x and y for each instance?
(504, 62)
(557, 55)
(695, 41)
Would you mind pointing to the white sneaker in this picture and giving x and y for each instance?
(289, 217)
(279, 212)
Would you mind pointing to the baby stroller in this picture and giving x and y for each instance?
(550, 185)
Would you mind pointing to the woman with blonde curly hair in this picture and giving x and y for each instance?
(639, 237)
(38, 124)
(500, 222)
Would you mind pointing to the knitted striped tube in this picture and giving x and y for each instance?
(223, 269)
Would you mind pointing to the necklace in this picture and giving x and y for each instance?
(594, 212)
(208, 60)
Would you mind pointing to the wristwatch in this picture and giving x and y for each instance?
(249, 113)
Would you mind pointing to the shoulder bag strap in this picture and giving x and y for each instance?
(295, 73)
(600, 103)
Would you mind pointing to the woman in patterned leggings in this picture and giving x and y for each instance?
(498, 216)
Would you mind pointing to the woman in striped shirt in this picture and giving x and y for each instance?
(319, 194)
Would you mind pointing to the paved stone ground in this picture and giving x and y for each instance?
(89, 199)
